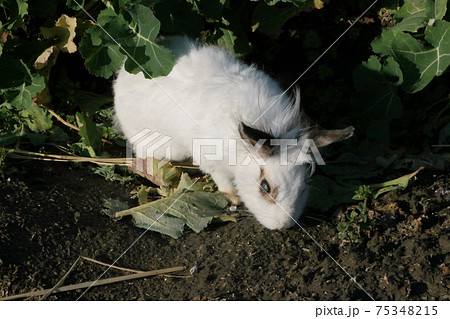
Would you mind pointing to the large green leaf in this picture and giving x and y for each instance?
(102, 59)
(21, 97)
(420, 63)
(170, 215)
(106, 46)
(154, 58)
(376, 95)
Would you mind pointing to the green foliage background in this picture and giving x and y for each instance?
(388, 76)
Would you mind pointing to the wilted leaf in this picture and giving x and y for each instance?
(187, 183)
(151, 169)
(42, 60)
(325, 193)
(64, 31)
(169, 215)
(142, 195)
(398, 183)
(112, 206)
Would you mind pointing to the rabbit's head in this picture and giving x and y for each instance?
(273, 184)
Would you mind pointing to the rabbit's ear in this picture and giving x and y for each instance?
(254, 135)
(325, 137)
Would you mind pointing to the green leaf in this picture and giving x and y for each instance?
(142, 195)
(376, 94)
(419, 63)
(342, 227)
(13, 73)
(91, 135)
(11, 136)
(169, 215)
(154, 220)
(154, 58)
(211, 9)
(187, 184)
(22, 96)
(179, 17)
(14, 13)
(112, 206)
(398, 183)
(233, 38)
(325, 193)
(90, 103)
(75, 5)
(269, 19)
(37, 119)
(3, 154)
(108, 172)
(106, 46)
(101, 59)
(415, 14)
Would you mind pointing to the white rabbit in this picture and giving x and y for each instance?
(209, 94)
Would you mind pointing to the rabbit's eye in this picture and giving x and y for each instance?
(265, 186)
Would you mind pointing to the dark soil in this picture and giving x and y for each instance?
(53, 214)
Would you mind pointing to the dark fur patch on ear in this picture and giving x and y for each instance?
(325, 137)
(254, 135)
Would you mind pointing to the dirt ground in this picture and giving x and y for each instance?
(52, 214)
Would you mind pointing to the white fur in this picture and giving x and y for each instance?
(219, 92)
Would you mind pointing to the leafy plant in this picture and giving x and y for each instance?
(356, 224)
(326, 193)
(186, 202)
(410, 54)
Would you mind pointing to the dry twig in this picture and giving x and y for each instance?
(96, 283)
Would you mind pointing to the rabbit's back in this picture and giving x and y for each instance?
(207, 94)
